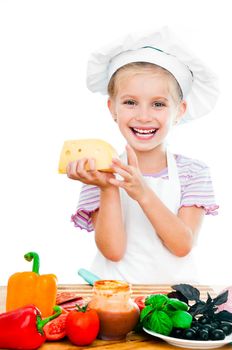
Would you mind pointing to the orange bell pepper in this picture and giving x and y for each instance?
(25, 288)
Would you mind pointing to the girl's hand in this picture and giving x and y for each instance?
(76, 171)
(132, 182)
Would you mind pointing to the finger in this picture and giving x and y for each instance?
(87, 175)
(131, 155)
(71, 171)
(126, 176)
(91, 163)
(68, 168)
(116, 182)
(81, 167)
(71, 168)
(117, 162)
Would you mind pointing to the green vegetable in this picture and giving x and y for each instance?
(145, 315)
(181, 319)
(158, 301)
(177, 304)
(160, 322)
(161, 314)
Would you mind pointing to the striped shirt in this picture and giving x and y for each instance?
(196, 190)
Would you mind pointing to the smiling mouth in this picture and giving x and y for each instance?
(144, 133)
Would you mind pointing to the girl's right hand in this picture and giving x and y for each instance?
(76, 171)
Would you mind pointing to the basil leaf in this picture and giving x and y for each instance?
(177, 304)
(209, 299)
(221, 298)
(177, 295)
(158, 301)
(198, 308)
(190, 292)
(146, 321)
(160, 322)
(145, 312)
(169, 312)
(181, 319)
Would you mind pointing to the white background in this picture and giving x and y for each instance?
(44, 47)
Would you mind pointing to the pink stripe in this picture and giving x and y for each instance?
(78, 216)
(185, 196)
(205, 182)
(88, 197)
(84, 190)
(86, 228)
(83, 214)
(91, 202)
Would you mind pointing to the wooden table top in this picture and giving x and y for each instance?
(133, 341)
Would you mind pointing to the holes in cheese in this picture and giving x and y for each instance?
(100, 150)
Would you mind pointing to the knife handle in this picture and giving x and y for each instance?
(88, 276)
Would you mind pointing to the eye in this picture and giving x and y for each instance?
(129, 102)
(159, 104)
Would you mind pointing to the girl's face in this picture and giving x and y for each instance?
(145, 108)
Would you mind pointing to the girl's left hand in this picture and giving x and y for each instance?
(132, 182)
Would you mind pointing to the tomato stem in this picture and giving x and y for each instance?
(82, 309)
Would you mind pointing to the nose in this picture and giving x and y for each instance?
(143, 114)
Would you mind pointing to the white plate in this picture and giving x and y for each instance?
(192, 344)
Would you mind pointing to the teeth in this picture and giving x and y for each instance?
(142, 131)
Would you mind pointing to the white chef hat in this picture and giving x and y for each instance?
(198, 83)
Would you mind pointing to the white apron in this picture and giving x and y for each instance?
(146, 259)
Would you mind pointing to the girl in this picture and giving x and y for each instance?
(147, 216)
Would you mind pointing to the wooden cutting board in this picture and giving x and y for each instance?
(86, 290)
(133, 341)
(137, 289)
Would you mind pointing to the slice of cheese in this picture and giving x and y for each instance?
(100, 150)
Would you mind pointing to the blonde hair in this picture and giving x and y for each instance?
(136, 67)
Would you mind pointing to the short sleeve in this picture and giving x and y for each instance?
(198, 189)
(89, 202)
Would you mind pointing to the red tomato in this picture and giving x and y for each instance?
(82, 327)
(55, 329)
(140, 302)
